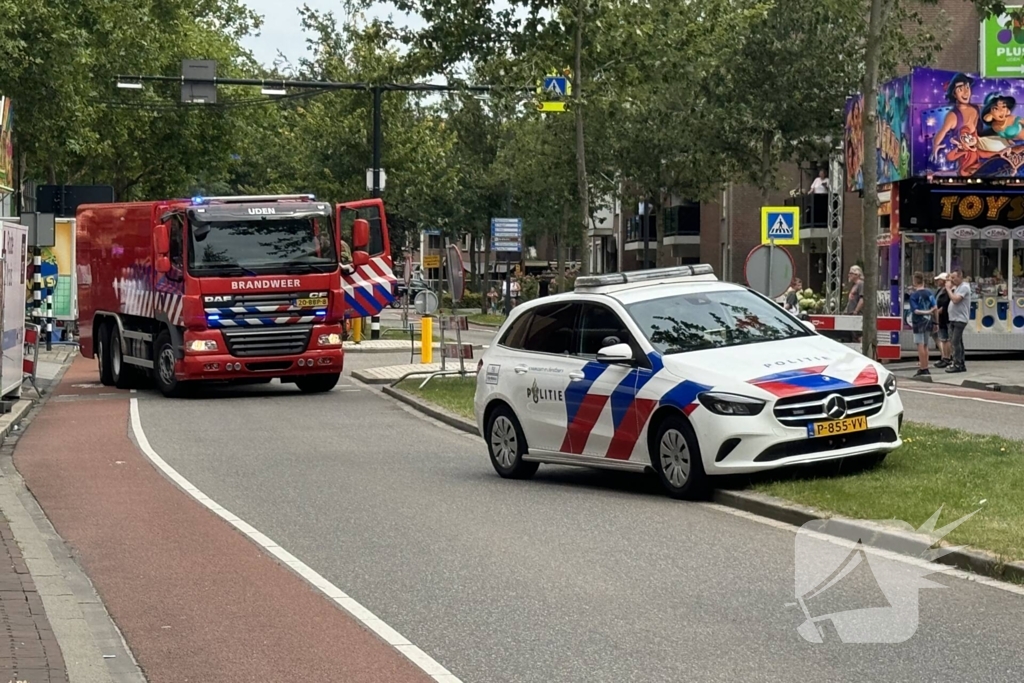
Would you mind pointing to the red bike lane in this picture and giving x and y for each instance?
(195, 599)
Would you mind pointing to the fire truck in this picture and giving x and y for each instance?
(240, 289)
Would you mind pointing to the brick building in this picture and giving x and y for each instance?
(724, 232)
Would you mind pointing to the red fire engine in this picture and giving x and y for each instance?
(242, 289)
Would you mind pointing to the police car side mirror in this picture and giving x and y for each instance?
(809, 324)
(619, 353)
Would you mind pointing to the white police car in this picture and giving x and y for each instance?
(673, 370)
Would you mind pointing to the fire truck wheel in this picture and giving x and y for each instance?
(103, 354)
(163, 371)
(317, 384)
(123, 374)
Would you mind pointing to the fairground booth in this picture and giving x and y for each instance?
(951, 185)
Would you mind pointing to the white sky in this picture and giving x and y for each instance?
(282, 32)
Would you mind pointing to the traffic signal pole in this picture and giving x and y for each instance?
(377, 92)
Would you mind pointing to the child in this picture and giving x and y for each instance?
(922, 309)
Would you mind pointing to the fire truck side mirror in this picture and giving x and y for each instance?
(161, 240)
(163, 265)
(360, 258)
(360, 234)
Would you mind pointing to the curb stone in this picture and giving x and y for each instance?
(975, 561)
(93, 648)
(441, 415)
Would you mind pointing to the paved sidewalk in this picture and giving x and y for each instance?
(993, 375)
(390, 373)
(32, 655)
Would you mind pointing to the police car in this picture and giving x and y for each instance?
(673, 370)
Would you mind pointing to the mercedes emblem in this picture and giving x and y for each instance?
(835, 407)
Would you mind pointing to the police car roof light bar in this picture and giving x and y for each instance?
(255, 198)
(589, 281)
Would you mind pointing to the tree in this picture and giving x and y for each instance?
(61, 59)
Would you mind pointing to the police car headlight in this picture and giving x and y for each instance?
(890, 385)
(731, 404)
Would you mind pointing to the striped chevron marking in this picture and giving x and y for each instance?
(818, 378)
(625, 403)
(140, 297)
(262, 322)
(369, 289)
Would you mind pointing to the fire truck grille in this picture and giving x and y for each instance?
(280, 341)
(250, 310)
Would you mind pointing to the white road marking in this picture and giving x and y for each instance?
(414, 654)
(888, 554)
(968, 398)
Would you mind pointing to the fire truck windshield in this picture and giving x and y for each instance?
(222, 247)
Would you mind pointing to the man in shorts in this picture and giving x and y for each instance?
(922, 309)
(942, 320)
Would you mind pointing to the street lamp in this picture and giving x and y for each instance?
(129, 85)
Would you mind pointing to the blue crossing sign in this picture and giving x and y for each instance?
(556, 86)
(780, 225)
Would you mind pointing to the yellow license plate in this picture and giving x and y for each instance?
(837, 427)
(311, 303)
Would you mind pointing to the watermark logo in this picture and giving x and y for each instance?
(823, 562)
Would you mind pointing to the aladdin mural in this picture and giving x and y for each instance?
(893, 130)
(976, 133)
(941, 123)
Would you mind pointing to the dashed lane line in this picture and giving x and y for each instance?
(392, 637)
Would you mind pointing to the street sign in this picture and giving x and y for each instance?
(432, 261)
(369, 179)
(456, 273)
(1001, 40)
(556, 86)
(507, 234)
(452, 351)
(780, 225)
(198, 81)
(455, 322)
(426, 302)
(769, 270)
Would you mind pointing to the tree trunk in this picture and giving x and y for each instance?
(486, 287)
(560, 248)
(869, 248)
(767, 139)
(581, 157)
(474, 283)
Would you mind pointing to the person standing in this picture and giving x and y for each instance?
(959, 315)
(922, 309)
(942, 321)
(856, 300)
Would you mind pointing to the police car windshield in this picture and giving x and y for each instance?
(709, 320)
(263, 246)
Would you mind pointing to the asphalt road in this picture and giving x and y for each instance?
(573, 576)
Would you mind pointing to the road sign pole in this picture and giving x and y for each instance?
(768, 283)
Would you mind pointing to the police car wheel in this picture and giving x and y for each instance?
(507, 445)
(676, 458)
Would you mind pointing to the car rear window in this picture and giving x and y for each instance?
(552, 329)
(516, 332)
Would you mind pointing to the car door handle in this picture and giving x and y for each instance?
(521, 369)
(576, 376)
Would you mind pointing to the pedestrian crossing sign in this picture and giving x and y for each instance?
(780, 225)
